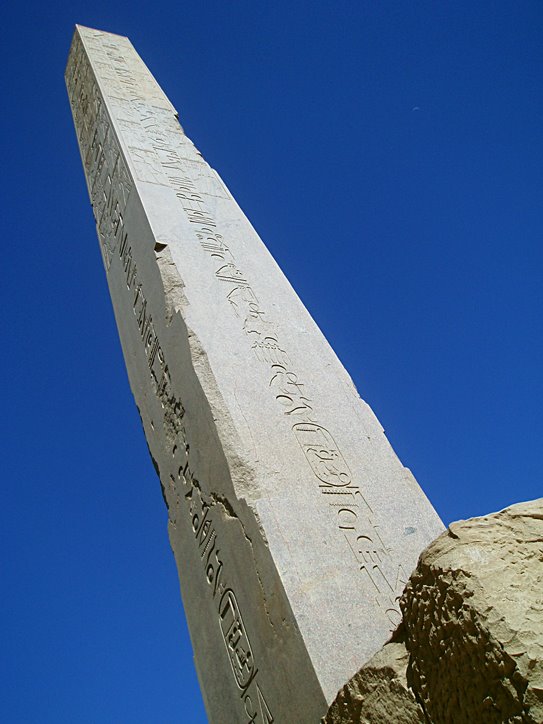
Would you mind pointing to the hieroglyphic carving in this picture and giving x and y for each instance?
(385, 579)
(107, 176)
(162, 154)
(234, 633)
(109, 186)
(322, 454)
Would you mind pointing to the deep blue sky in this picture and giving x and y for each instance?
(391, 156)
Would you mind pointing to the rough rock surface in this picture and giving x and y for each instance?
(473, 632)
(378, 693)
(473, 616)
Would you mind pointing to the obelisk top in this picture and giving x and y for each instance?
(104, 47)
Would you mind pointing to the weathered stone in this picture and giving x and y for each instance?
(378, 693)
(293, 523)
(473, 632)
(473, 617)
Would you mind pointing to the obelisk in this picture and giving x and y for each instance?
(293, 523)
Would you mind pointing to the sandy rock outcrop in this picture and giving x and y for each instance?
(473, 632)
(473, 617)
(378, 693)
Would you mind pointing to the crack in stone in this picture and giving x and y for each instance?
(225, 504)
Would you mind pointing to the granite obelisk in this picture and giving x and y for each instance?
(293, 523)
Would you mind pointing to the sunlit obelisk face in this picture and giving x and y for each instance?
(294, 525)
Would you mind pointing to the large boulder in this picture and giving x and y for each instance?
(378, 693)
(470, 645)
(473, 618)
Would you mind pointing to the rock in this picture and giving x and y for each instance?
(470, 645)
(473, 617)
(378, 693)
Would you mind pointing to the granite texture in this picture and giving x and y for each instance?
(293, 523)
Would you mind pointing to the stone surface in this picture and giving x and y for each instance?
(378, 693)
(473, 616)
(293, 523)
(470, 647)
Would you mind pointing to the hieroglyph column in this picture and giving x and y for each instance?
(293, 523)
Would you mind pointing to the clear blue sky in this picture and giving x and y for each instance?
(391, 156)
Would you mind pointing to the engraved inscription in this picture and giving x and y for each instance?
(234, 633)
(109, 186)
(235, 639)
(162, 154)
(379, 573)
(322, 454)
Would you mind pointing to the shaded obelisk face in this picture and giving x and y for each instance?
(293, 523)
